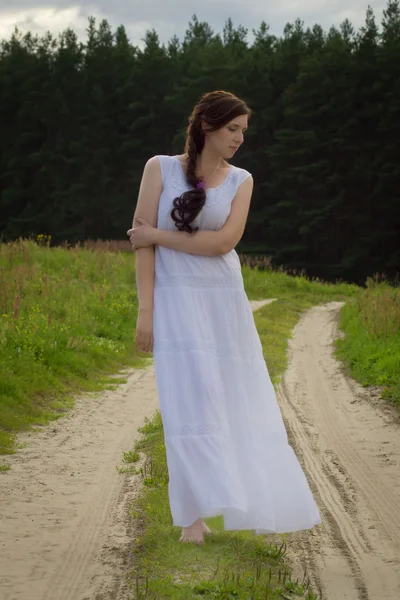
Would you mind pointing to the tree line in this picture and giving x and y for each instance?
(80, 119)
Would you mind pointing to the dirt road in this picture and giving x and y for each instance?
(64, 530)
(350, 448)
(63, 519)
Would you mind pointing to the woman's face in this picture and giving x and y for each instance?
(227, 140)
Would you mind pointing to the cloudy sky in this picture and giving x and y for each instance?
(169, 17)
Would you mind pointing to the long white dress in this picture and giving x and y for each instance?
(227, 447)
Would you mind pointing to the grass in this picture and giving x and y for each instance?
(371, 346)
(66, 325)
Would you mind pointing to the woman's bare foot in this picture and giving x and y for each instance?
(194, 533)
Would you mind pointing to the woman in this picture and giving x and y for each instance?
(226, 444)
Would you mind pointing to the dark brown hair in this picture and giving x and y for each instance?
(215, 109)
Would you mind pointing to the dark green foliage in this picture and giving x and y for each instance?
(79, 121)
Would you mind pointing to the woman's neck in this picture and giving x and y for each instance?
(209, 161)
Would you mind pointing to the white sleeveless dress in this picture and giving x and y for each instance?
(227, 448)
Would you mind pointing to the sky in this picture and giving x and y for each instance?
(171, 17)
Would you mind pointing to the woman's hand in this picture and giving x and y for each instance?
(143, 235)
(144, 331)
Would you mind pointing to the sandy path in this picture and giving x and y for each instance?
(62, 502)
(350, 448)
(64, 526)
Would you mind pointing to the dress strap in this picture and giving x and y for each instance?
(166, 163)
(242, 176)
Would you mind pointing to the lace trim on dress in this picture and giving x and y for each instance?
(202, 281)
(179, 182)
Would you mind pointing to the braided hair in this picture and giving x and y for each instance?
(215, 109)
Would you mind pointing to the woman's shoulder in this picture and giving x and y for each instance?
(240, 174)
(165, 163)
(164, 158)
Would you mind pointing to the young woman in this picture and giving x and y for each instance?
(227, 448)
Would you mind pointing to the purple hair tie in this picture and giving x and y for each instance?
(200, 185)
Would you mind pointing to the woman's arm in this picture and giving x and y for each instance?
(204, 243)
(147, 208)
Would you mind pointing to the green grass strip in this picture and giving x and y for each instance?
(371, 346)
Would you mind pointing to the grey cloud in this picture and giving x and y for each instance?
(169, 18)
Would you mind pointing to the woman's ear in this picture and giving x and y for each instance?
(204, 127)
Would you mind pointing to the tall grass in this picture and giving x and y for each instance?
(371, 346)
(67, 319)
(279, 284)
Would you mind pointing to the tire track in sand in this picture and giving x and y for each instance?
(64, 506)
(350, 449)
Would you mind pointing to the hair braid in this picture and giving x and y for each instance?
(191, 151)
(189, 204)
(215, 109)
